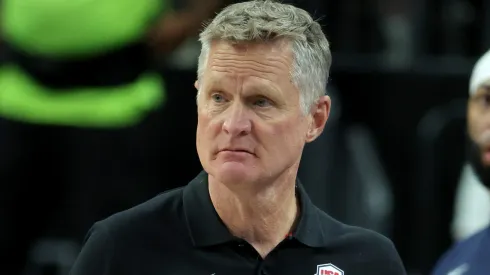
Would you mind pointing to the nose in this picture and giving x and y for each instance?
(237, 122)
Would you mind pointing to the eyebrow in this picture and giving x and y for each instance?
(266, 90)
(221, 84)
(483, 90)
(215, 84)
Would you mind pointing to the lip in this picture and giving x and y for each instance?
(236, 150)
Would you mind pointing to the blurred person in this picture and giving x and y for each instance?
(79, 105)
(261, 85)
(471, 256)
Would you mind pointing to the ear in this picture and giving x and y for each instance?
(319, 116)
(196, 84)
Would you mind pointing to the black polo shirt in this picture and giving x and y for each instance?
(179, 232)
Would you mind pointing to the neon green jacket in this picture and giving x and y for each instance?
(77, 28)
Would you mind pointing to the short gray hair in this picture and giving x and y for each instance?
(264, 20)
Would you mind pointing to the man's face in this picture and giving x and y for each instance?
(250, 124)
(479, 132)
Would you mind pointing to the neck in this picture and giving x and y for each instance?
(262, 218)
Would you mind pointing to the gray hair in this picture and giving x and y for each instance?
(265, 20)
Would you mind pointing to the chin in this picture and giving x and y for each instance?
(233, 173)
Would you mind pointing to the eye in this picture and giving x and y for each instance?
(218, 98)
(262, 102)
(484, 100)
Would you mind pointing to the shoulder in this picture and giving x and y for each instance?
(153, 217)
(155, 213)
(367, 250)
(461, 253)
(114, 239)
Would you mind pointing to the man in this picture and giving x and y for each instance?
(261, 83)
(470, 257)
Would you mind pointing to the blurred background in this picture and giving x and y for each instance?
(391, 158)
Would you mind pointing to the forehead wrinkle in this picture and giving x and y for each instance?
(248, 72)
(259, 58)
(276, 60)
(227, 82)
(257, 81)
(244, 67)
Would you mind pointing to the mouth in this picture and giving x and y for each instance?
(238, 150)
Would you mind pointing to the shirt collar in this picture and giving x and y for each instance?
(204, 224)
(207, 229)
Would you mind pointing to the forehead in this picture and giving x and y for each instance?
(483, 88)
(268, 60)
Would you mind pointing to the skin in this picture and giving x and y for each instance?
(250, 136)
(479, 121)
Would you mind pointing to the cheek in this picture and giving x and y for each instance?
(287, 136)
(202, 125)
(472, 132)
(203, 138)
(476, 126)
(207, 125)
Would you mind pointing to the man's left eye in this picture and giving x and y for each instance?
(262, 102)
(218, 97)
